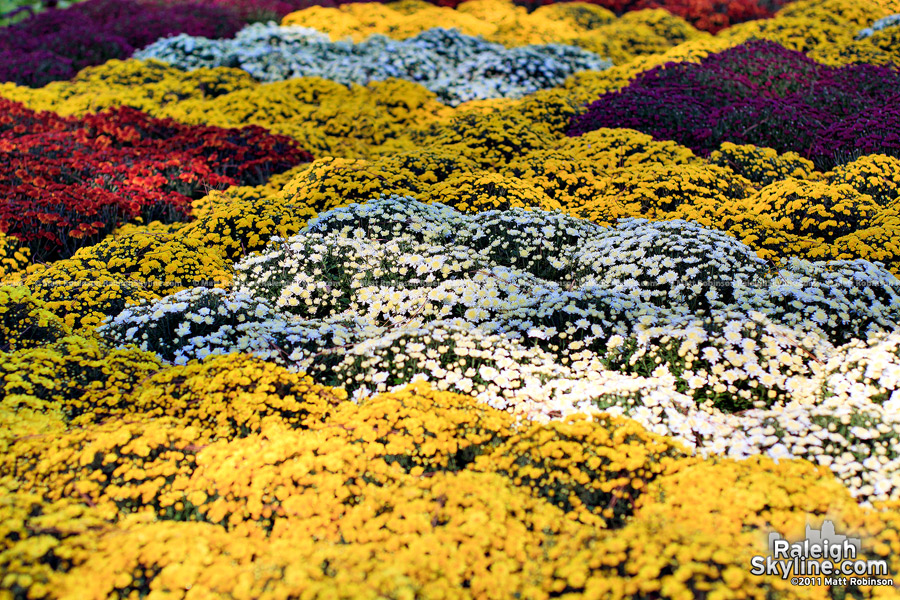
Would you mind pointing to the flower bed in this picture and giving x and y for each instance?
(461, 354)
(457, 68)
(58, 43)
(709, 15)
(69, 182)
(759, 93)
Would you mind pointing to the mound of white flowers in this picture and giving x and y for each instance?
(678, 326)
(456, 67)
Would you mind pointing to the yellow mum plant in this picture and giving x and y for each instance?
(146, 85)
(421, 428)
(76, 375)
(875, 175)
(492, 140)
(588, 467)
(41, 540)
(13, 258)
(762, 166)
(467, 193)
(333, 182)
(100, 280)
(25, 322)
(281, 480)
(120, 466)
(816, 209)
(242, 220)
(233, 396)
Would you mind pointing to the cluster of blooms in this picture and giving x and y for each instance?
(24, 322)
(638, 34)
(357, 21)
(72, 378)
(762, 166)
(13, 257)
(609, 174)
(536, 312)
(466, 501)
(324, 116)
(101, 279)
(456, 67)
(590, 26)
(760, 93)
(709, 15)
(843, 214)
(58, 43)
(400, 17)
(873, 175)
(587, 470)
(827, 31)
(148, 262)
(835, 18)
(70, 181)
